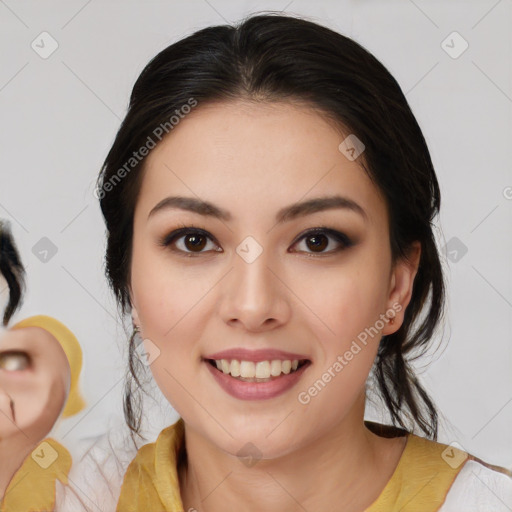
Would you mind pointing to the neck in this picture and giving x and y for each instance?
(345, 469)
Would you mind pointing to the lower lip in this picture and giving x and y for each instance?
(256, 390)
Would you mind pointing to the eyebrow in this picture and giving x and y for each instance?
(288, 213)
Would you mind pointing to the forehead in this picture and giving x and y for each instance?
(34, 340)
(245, 154)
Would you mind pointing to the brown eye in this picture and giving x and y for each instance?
(14, 361)
(192, 241)
(195, 242)
(317, 242)
(318, 239)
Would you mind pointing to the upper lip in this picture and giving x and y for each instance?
(244, 354)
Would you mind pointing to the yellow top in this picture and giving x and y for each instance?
(32, 488)
(421, 480)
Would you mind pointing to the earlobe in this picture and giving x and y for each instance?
(401, 287)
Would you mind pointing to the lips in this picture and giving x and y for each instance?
(271, 388)
(256, 374)
(243, 354)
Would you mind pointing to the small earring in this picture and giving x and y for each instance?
(392, 320)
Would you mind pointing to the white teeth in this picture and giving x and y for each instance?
(259, 370)
(262, 369)
(235, 368)
(275, 368)
(247, 369)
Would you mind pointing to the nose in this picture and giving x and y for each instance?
(254, 295)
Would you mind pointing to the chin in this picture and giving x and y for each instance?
(255, 443)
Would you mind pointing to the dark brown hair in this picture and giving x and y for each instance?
(13, 271)
(273, 57)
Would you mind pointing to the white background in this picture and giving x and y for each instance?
(59, 115)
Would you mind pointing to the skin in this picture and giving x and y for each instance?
(31, 397)
(253, 160)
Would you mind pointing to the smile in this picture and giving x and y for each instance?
(260, 371)
(256, 380)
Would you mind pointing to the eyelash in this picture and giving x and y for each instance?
(175, 235)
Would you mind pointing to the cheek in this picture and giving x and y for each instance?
(170, 296)
(171, 314)
(345, 300)
(160, 290)
(165, 303)
(349, 344)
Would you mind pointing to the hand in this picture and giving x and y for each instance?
(34, 382)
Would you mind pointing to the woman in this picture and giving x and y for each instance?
(269, 202)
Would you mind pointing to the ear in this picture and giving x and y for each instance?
(135, 317)
(134, 312)
(401, 286)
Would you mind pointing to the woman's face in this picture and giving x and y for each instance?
(34, 382)
(253, 281)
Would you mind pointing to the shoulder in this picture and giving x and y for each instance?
(162, 451)
(480, 487)
(433, 476)
(151, 481)
(474, 485)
